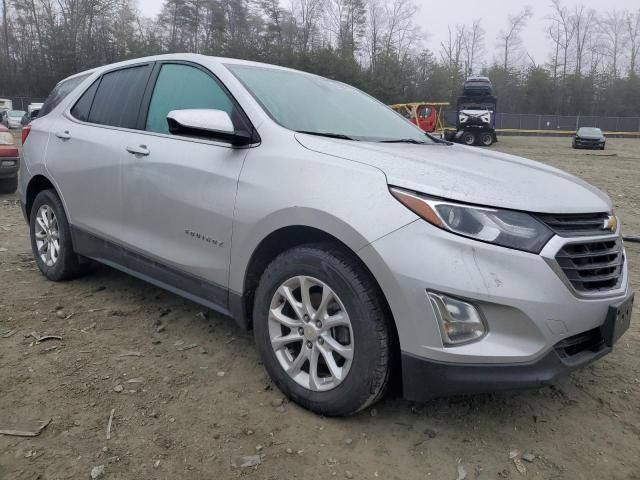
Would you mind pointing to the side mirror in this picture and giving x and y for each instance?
(210, 123)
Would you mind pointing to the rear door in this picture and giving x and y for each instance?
(87, 149)
(180, 191)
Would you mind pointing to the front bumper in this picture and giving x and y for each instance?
(528, 305)
(425, 379)
(590, 143)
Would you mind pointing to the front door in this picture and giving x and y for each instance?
(180, 191)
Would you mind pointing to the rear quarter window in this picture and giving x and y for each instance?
(60, 92)
(82, 108)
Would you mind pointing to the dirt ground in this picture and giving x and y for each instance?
(190, 397)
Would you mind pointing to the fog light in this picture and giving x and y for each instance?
(460, 322)
(8, 163)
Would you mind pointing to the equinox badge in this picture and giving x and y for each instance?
(203, 237)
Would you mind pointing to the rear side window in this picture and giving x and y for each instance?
(118, 97)
(60, 92)
(180, 87)
(83, 106)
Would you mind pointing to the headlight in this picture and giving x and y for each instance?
(507, 228)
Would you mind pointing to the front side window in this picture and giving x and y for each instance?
(118, 97)
(182, 87)
(60, 92)
(308, 103)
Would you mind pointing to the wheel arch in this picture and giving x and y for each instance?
(36, 185)
(277, 242)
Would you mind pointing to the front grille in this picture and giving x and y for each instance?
(580, 224)
(591, 340)
(593, 266)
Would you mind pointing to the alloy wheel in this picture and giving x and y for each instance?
(47, 233)
(311, 333)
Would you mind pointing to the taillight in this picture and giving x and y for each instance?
(25, 133)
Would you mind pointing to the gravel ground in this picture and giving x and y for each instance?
(189, 397)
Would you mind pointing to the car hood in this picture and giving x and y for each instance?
(471, 175)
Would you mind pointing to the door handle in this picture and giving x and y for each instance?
(139, 150)
(63, 135)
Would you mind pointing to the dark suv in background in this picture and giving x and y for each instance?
(589, 137)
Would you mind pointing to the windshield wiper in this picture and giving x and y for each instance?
(405, 140)
(329, 135)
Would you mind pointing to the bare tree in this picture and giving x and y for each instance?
(374, 31)
(509, 39)
(612, 29)
(401, 32)
(308, 12)
(561, 32)
(5, 31)
(632, 22)
(473, 45)
(452, 48)
(583, 22)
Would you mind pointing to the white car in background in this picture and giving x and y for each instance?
(13, 118)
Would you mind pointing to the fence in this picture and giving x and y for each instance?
(21, 103)
(521, 121)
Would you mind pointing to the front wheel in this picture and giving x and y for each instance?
(322, 329)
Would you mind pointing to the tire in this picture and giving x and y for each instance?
(602, 147)
(486, 139)
(468, 138)
(9, 185)
(66, 265)
(369, 336)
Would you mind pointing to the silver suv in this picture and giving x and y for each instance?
(352, 243)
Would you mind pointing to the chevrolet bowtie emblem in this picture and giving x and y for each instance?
(611, 223)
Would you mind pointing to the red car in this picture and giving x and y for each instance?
(9, 161)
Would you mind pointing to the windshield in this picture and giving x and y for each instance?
(307, 103)
(17, 113)
(590, 131)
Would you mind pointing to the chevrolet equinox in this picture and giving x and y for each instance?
(352, 243)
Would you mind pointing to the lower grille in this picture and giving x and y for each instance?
(591, 340)
(592, 266)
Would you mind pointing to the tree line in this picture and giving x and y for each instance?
(593, 67)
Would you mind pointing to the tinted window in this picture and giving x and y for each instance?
(83, 106)
(60, 92)
(182, 87)
(117, 100)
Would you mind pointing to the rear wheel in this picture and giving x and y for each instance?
(9, 185)
(51, 239)
(469, 138)
(322, 330)
(486, 139)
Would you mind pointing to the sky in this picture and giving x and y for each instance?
(435, 15)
